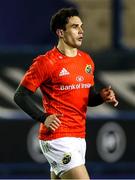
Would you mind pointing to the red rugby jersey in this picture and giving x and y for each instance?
(65, 83)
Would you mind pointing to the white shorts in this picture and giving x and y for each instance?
(64, 154)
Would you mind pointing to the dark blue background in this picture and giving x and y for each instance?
(27, 21)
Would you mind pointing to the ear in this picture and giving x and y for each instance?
(60, 33)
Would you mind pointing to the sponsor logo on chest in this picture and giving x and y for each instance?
(77, 83)
(75, 86)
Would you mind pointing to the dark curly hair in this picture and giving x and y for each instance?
(60, 19)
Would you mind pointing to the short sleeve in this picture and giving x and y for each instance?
(37, 73)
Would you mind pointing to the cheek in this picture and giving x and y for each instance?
(69, 38)
(71, 34)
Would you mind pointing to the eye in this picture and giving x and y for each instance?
(75, 26)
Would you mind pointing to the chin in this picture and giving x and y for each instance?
(78, 45)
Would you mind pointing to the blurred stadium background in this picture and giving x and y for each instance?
(110, 39)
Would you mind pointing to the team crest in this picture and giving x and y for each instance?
(53, 164)
(67, 158)
(88, 68)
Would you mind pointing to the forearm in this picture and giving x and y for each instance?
(23, 98)
(95, 98)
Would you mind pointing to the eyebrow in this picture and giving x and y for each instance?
(76, 24)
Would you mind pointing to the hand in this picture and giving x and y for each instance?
(52, 122)
(108, 96)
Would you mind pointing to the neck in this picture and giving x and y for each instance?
(66, 49)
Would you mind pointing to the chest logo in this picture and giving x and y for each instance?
(88, 68)
(79, 78)
(63, 72)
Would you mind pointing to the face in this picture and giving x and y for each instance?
(73, 35)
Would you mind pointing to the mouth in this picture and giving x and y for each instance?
(80, 38)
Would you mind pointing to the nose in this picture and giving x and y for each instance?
(81, 30)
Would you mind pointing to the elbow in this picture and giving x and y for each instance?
(18, 95)
(15, 97)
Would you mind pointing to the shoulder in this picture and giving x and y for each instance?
(48, 58)
(86, 55)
